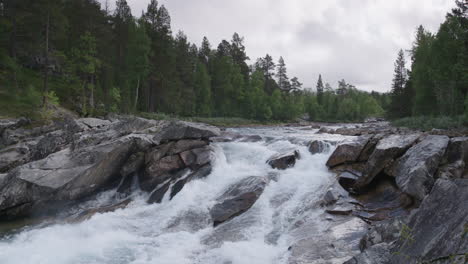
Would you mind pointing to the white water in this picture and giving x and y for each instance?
(180, 231)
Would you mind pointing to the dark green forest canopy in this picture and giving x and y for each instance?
(78, 54)
(437, 82)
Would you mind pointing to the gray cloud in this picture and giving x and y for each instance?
(354, 40)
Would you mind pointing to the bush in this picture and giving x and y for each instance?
(428, 123)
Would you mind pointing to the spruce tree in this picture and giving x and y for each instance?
(398, 107)
(320, 90)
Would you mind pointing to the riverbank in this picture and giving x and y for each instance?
(308, 193)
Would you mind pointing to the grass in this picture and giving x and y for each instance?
(428, 123)
(215, 121)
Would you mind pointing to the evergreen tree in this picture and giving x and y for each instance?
(320, 90)
(202, 86)
(205, 51)
(398, 106)
(281, 75)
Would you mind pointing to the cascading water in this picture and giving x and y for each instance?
(181, 231)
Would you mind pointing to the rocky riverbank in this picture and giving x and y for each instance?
(399, 195)
(424, 216)
(48, 168)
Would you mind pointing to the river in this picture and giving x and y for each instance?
(281, 227)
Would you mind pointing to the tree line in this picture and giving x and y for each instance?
(437, 82)
(94, 61)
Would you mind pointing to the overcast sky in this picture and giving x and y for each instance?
(356, 40)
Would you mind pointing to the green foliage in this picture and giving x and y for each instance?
(427, 123)
(438, 81)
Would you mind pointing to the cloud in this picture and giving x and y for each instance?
(354, 40)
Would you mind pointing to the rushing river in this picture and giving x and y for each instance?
(180, 231)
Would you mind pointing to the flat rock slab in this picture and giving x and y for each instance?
(238, 199)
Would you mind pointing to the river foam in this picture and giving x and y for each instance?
(180, 231)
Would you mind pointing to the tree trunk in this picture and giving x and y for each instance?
(46, 66)
(136, 94)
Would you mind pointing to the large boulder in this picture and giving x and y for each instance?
(348, 152)
(284, 161)
(318, 146)
(177, 130)
(239, 198)
(385, 152)
(64, 176)
(438, 229)
(414, 171)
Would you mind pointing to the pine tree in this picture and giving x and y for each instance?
(398, 107)
(205, 51)
(320, 90)
(281, 75)
(202, 86)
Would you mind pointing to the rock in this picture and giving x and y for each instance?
(339, 211)
(378, 254)
(414, 171)
(176, 130)
(159, 171)
(196, 158)
(329, 198)
(237, 199)
(83, 216)
(13, 156)
(13, 123)
(284, 161)
(250, 138)
(185, 145)
(438, 229)
(347, 152)
(158, 194)
(318, 146)
(369, 148)
(134, 163)
(457, 150)
(386, 231)
(385, 152)
(325, 130)
(93, 123)
(347, 180)
(50, 143)
(64, 176)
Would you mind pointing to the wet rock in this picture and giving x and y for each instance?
(158, 194)
(318, 146)
(134, 163)
(414, 171)
(284, 161)
(329, 198)
(325, 130)
(378, 254)
(87, 214)
(347, 152)
(196, 158)
(386, 231)
(237, 199)
(64, 176)
(385, 152)
(250, 138)
(437, 230)
(159, 171)
(339, 210)
(347, 180)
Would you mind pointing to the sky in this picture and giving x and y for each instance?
(355, 40)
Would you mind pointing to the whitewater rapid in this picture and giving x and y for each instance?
(180, 231)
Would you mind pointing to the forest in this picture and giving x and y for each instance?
(93, 60)
(436, 85)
